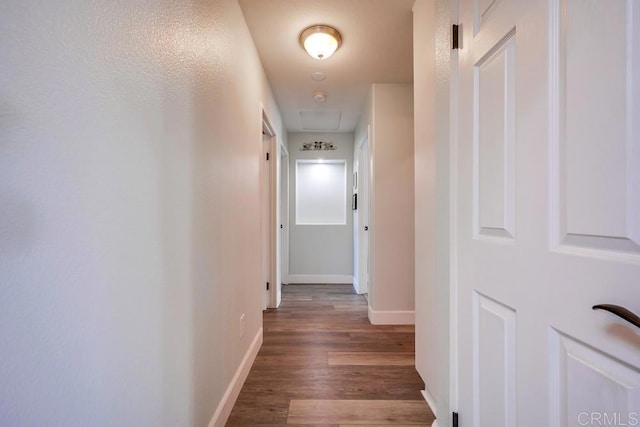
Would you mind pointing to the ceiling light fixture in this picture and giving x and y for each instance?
(320, 41)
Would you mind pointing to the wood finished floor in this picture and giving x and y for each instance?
(323, 364)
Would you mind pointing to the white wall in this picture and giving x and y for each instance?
(424, 86)
(432, 55)
(320, 253)
(389, 114)
(129, 209)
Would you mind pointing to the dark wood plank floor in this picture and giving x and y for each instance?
(323, 363)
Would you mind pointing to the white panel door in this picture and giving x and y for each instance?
(548, 212)
(265, 195)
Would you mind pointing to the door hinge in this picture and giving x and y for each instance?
(267, 285)
(267, 156)
(455, 419)
(455, 41)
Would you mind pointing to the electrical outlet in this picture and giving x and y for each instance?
(242, 325)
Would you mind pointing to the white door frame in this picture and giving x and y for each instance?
(453, 212)
(282, 230)
(445, 148)
(364, 194)
(273, 256)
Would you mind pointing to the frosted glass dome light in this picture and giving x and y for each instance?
(320, 41)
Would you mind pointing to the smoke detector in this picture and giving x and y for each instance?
(318, 76)
(319, 96)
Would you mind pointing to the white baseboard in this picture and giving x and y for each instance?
(355, 285)
(392, 317)
(432, 405)
(430, 401)
(223, 411)
(320, 278)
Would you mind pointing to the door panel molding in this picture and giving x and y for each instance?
(574, 362)
(494, 363)
(494, 166)
(595, 195)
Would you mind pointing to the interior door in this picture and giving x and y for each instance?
(284, 225)
(548, 212)
(266, 217)
(364, 202)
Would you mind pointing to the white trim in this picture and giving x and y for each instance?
(223, 411)
(355, 285)
(431, 402)
(266, 121)
(365, 139)
(363, 213)
(320, 278)
(428, 397)
(454, 357)
(283, 205)
(283, 148)
(267, 128)
(392, 317)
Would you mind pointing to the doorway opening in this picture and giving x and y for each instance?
(362, 265)
(275, 218)
(265, 188)
(282, 211)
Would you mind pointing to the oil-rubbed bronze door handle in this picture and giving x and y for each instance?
(620, 312)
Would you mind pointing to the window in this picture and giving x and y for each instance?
(321, 192)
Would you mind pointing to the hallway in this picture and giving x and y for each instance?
(323, 363)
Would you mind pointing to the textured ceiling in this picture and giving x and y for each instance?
(377, 48)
